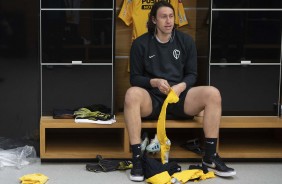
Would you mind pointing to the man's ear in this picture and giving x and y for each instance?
(154, 20)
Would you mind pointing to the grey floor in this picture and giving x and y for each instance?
(75, 173)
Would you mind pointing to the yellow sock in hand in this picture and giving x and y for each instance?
(161, 133)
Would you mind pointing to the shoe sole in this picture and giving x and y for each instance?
(223, 174)
(136, 178)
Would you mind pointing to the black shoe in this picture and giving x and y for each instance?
(136, 173)
(194, 146)
(218, 166)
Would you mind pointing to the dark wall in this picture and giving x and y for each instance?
(19, 69)
(245, 56)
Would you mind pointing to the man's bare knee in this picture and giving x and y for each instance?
(133, 95)
(214, 94)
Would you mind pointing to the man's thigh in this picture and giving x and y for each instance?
(146, 106)
(194, 101)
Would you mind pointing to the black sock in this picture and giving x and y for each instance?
(136, 151)
(210, 146)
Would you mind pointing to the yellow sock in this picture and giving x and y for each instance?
(161, 133)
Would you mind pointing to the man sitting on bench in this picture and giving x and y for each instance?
(161, 60)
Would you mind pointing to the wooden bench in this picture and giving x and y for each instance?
(240, 137)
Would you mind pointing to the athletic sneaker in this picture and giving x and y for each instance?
(154, 145)
(218, 166)
(145, 141)
(136, 173)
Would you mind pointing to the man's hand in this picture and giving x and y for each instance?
(161, 84)
(179, 88)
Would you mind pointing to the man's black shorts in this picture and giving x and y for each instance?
(173, 111)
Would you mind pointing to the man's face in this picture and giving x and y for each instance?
(164, 20)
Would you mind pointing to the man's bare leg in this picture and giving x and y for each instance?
(208, 98)
(137, 104)
(205, 98)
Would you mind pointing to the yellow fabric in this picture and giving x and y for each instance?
(183, 176)
(35, 178)
(192, 174)
(207, 175)
(136, 12)
(161, 178)
(161, 133)
(186, 175)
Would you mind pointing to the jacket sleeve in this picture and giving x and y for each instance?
(137, 68)
(190, 70)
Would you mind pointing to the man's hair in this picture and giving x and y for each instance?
(153, 13)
